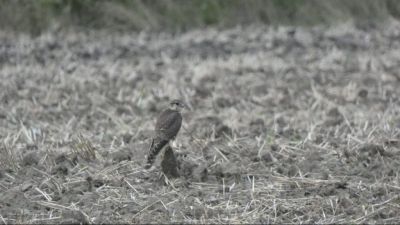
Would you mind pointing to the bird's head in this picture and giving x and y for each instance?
(177, 104)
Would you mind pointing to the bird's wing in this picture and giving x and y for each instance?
(156, 146)
(168, 124)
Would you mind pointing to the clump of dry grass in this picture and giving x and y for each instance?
(84, 148)
(8, 159)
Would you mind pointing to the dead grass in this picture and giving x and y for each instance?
(293, 125)
(84, 148)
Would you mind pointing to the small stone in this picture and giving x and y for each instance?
(202, 92)
(280, 170)
(127, 138)
(31, 158)
(334, 112)
(222, 129)
(274, 147)
(98, 183)
(60, 169)
(223, 102)
(363, 93)
(121, 156)
(267, 157)
(345, 202)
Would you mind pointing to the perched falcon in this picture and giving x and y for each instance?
(167, 127)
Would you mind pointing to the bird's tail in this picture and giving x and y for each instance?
(156, 145)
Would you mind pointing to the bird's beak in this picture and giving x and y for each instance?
(185, 106)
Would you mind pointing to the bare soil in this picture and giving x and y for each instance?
(287, 125)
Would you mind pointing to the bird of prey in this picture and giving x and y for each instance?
(167, 127)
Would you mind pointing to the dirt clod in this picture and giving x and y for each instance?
(121, 155)
(30, 158)
(267, 157)
(169, 164)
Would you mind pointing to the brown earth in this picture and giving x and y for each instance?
(287, 125)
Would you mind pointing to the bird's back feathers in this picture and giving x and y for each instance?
(168, 124)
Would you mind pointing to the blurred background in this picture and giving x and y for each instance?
(180, 15)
